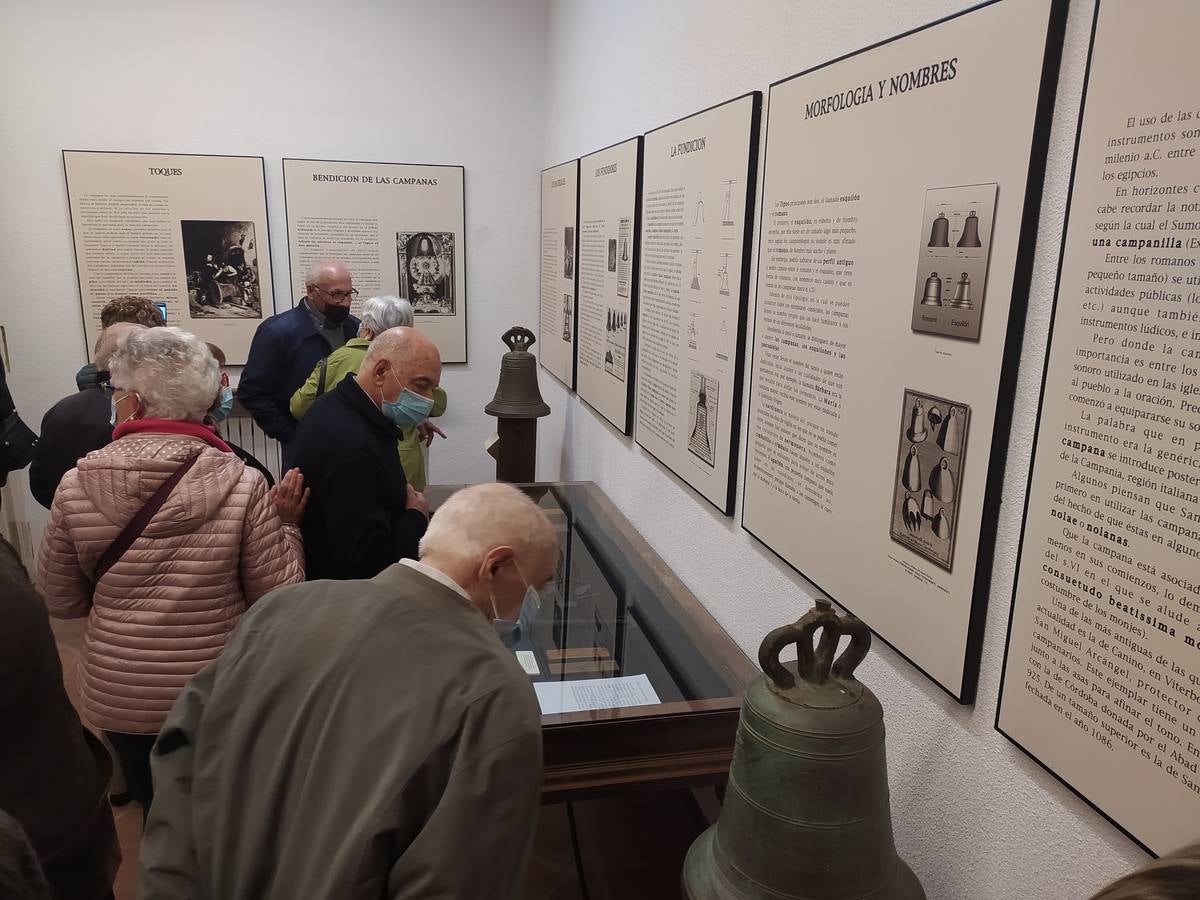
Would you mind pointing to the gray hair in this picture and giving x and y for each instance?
(313, 274)
(381, 313)
(172, 371)
(482, 517)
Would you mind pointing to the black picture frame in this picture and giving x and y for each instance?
(1096, 11)
(575, 311)
(734, 419)
(635, 275)
(363, 162)
(1006, 386)
(87, 348)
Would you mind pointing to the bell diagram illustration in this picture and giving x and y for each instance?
(691, 332)
(696, 269)
(616, 337)
(567, 309)
(928, 475)
(698, 218)
(624, 261)
(727, 206)
(952, 260)
(702, 417)
(723, 275)
(723, 343)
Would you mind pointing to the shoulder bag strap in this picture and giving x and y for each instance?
(133, 530)
(321, 377)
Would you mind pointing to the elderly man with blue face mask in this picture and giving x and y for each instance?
(364, 515)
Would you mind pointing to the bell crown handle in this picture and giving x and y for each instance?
(518, 338)
(815, 665)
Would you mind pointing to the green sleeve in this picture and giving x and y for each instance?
(306, 394)
(439, 403)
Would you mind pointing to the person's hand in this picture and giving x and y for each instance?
(416, 500)
(290, 497)
(426, 430)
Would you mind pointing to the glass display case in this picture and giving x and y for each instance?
(638, 683)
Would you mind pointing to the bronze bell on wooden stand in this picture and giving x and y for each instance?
(806, 811)
(518, 405)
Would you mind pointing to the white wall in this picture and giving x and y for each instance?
(406, 81)
(974, 817)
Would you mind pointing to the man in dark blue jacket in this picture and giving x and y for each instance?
(363, 514)
(286, 347)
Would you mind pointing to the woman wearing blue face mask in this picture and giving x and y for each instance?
(222, 409)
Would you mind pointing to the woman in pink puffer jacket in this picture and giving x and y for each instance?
(219, 542)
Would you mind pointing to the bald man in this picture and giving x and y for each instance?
(363, 514)
(76, 425)
(361, 740)
(286, 347)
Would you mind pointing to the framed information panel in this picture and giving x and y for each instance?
(1101, 680)
(559, 272)
(610, 184)
(698, 182)
(184, 230)
(399, 228)
(899, 214)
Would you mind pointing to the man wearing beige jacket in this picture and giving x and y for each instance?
(365, 739)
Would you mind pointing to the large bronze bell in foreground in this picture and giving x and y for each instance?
(517, 394)
(806, 811)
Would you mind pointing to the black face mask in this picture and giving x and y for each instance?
(336, 315)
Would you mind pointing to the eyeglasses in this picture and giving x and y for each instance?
(350, 295)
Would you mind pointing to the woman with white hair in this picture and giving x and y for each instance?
(162, 539)
(378, 315)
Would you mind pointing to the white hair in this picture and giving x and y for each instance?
(480, 518)
(172, 371)
(381, 313)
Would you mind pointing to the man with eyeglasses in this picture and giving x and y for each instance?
(78, 424)
(287, 346)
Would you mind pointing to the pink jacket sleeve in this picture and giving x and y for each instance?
(272, 553)
(63, 585)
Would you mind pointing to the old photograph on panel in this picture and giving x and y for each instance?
(703, 406)
(624, 256)
(954, 243)
(569, 251)
(612, 254)
(616, 340)
(928, 476)
(221, 262)
(426, 263)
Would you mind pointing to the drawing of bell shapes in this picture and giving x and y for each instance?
(950, 437)
(916, 423)
(927, 505)
(933, 291)
(625, 249)
(962, 292)
(941, 525)
(970, 234)
(941, 482)
(911, 476)
(939, 236)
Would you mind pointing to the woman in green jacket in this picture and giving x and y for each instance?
(378, 315)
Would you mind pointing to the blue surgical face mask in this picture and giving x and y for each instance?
(223, 407)
(408, 410)
(509, 631)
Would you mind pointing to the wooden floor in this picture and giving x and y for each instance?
(630, 847)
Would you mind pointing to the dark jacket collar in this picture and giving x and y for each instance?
(303, 320)
(356, 398)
